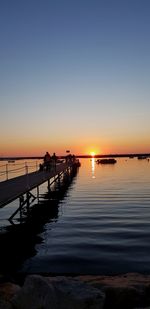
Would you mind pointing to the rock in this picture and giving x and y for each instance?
(143, 308)
(36, 293)
(5, 304)
(123, 291)
(81, 292)
(125, 280)
(74, 294)
(7, 291)
(124, 298)
(57, 293)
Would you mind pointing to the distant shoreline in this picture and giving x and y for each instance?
(79, 156)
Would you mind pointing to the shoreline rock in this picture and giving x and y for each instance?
(126, 291)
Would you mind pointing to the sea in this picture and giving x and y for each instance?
(99, 225)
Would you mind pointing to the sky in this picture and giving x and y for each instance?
(74, 75)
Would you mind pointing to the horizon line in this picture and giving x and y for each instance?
(78, 156)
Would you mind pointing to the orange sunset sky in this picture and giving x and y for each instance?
(74, 75)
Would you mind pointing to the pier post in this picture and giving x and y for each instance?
(38, 193)
(27, 177)
(49, 185)
(28, 201)
(59, 180)
(6, 171)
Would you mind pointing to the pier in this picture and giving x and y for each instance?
(20, 187)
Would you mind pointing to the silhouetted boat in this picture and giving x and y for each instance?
(142, 157)
(11, 161)
(106, 161)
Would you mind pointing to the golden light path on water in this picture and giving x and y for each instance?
(93, 167)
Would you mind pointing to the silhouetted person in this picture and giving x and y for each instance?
(73, 158)
(54, 159)
(47, 161)
(68, 158)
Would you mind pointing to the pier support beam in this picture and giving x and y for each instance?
(49, 185)
(24, 203)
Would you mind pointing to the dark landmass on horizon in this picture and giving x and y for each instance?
(80, 156)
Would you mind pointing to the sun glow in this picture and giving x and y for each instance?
(92, 153)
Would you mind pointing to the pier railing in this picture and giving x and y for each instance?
(10, 170)
(15, 187)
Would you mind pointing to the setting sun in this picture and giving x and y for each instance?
(92, 153)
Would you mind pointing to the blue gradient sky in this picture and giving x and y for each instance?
(74, 75)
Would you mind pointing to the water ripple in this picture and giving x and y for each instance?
(104, 223)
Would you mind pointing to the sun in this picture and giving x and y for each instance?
(92, 153)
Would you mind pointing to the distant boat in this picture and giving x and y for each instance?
(142, 157)
(106, 161)
(11, 161)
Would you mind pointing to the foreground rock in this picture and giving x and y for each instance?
(123, 291)
(130, 291)
(57, 293)
(7, 292)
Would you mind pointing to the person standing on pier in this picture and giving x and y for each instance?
(47, 161)
(54, 159)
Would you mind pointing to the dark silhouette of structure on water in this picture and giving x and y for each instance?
(17, 242)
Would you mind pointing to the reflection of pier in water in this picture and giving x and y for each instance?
(17, 242)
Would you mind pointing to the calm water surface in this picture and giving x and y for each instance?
(102, 226)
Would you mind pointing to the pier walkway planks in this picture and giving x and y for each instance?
(15, 187)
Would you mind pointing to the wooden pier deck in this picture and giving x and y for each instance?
(14, 188)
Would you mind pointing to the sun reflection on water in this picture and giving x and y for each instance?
(93, 167)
